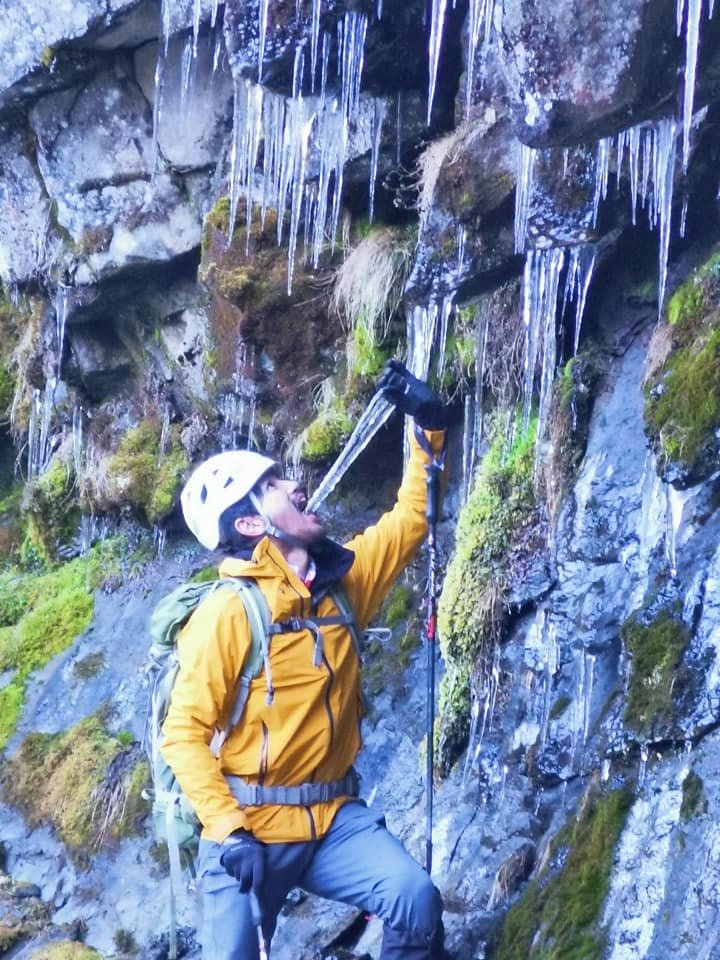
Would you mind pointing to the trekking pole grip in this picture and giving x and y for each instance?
(432, 502)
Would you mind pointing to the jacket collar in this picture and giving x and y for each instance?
(331, 559)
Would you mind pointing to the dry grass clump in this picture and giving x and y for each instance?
(430, 164)
(368, 286)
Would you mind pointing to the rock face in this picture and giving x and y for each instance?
(171, 234)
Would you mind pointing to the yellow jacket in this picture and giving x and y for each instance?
(311, 731)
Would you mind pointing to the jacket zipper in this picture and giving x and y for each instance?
(328, 709)
(264, 754)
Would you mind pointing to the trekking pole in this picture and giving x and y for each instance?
(432, 511)
(257, 920)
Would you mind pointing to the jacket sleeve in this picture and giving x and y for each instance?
(383, 550)
(211, 649)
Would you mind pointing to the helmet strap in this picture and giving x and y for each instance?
(270, 528)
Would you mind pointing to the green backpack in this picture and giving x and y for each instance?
(174, 819)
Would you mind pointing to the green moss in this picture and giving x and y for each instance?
(656, 651)
(53, 515)
(694, 801)
(219, 217)
(125, 942)
(685, 411)
(205, 575)
(140, 476)
(90, 666)
(558, 917)
(233, 283)
(367, 358)
(470, 614)
(66, 950)
(328, 431)
(42, 612)
(66, 781)
(559, 707)
(399, 606)
(47, 56)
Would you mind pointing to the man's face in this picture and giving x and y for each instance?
(284, 502)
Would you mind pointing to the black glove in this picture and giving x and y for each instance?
(412, 396)
(244, 859)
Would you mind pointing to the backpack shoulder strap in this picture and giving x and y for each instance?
(342, 602)
(258, 656)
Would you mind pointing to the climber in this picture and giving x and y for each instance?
(281, 808)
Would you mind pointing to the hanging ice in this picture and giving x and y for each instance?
(378, 120)
(61, 314)
(262, 31)
(577, 283)
(314, 39)
(692, 41)
(479, 22)
(523, 194)
(602, 170)
(663, 179)
(540, 293)
(437, 23)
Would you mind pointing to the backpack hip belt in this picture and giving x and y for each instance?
(299, 795)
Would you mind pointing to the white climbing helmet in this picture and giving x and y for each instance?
(215, 485)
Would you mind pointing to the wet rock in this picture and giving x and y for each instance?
(628, 67)
(465, 233)
(94, 154)
(26, 238)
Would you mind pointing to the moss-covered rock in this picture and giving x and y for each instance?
(471, 612)
(682, 409)
(558, 916)
(66, 950)
(656, 649)
(41, 613)
(326, 434)
(52, 510)
(83, 782)
(694, 802)
(143, 475)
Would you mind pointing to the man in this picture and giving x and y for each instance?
(263, 833)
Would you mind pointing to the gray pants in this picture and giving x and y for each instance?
(358, 862)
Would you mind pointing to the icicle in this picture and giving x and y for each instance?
(481, 352)
(262, 31)
(540, 290)
(479, 21)
(247, 128)
(164, 434)
(679, 11)
(214, 13)
(422, 324)
(523, 193)
(469, 427)
(324, 69)
(160, 540)
(160, 64)
(61, 314)
(711, 8)
(217, 50)
(314, 39)
(634, 151)
(436, 31)
(376, 413)
(378, 120)
(440, 349)
(398, 128)
(186, 64)
(692, 41)
(602, 170)
(577, 283)
(683, 217)
(297, 195)
(77, 439)
(197, 13)
(622, 139)
(353, 58)
(642, 769)
(663, 179)
(460, 239)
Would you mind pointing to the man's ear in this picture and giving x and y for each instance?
(252, 526)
